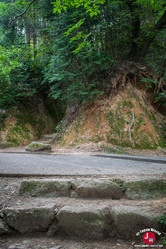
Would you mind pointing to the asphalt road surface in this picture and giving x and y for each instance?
(38, 164)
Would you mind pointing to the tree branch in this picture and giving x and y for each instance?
(147, 38)
(162, 22)
(132, 122)
(23, 13)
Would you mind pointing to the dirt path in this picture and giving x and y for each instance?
(61, 242)
(90, 148)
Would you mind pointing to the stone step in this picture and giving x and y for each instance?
(95, 220)
(137, 189)
(44, 141)
(47, 136)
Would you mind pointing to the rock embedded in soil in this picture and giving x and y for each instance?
(57, 247)
(143, 189)
(84, 222)
(45, 188)
(30, 219)
(37, 146)
(98, 188)
(4, 229)
(130, 220)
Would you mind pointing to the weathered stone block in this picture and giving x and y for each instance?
(129, 220)
(30, 219)
(84, 221)
(143, 189)
(45, 188)
(97, 188)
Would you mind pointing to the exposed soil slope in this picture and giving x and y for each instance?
(125, 118)
(26, 124)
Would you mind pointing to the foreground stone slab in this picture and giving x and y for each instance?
(45, 188)
(97, 188)
(84, 221)
(37, 146)
(143, 189)
(129, 220)
(30, 219)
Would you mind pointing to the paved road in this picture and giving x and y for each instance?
(35, 164)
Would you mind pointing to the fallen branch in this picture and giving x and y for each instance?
(132, 122)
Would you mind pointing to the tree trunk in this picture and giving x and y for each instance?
(147, 38)
(108, 35)
(141, 41)
(34, 44)
(27, 33)
(34, 35)
(135, 22)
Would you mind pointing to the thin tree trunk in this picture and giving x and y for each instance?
(34, 44)
(34, 36)
(108, 35)
(27, 33)
(135, 22)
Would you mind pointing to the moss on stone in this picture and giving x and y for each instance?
(146, 189)
(28, 187)
(35, 145)
(43, 188)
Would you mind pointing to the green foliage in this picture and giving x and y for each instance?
(149, 82)
(2, 119)
(160, 97)
(77, 80)
(123, 187)
(15, 77)
(92, 7)
(78, 76)
(63, 49)
(162, 221)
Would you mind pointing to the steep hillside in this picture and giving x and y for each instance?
(25, 124)
(126, 119)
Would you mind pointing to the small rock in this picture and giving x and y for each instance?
(57, 247)
(16, 246)
(74, 194)
(36, 246)
(53, 229)
(25, 242)
(56, 210)
(2, 241)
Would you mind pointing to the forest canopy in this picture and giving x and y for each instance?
(64, 49)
